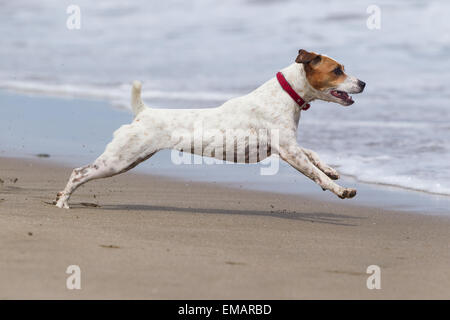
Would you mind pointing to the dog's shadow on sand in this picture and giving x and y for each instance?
(328, 218)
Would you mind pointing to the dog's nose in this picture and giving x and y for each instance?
(361, 84)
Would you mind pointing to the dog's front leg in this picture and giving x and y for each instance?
(314, 158)
(296, 157)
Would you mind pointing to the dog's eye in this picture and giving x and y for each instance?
(338, 71)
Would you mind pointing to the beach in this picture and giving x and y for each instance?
(193, 230)
(153, 237)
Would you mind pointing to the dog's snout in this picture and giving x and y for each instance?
(361, 84)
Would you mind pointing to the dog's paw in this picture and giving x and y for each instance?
(62, 205)
(347, 193)
(58, 195)
(331, 173)
(61, 202)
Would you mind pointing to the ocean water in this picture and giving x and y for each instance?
(201, 53)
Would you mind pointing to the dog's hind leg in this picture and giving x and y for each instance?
(126, 151)
(78, 177)
(314, 158)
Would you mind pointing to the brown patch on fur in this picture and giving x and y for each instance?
(320, 70)
(305, 56)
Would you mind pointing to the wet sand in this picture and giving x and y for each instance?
(159, 238)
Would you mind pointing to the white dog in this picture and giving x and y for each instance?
(276, 105)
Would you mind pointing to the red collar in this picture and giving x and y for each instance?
(287, 87)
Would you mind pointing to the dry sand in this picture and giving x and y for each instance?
(156, 238)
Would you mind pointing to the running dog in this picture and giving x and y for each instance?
(276, 105)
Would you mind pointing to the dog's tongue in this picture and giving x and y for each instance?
(342, 95)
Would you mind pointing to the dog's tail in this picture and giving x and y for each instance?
(136, 102)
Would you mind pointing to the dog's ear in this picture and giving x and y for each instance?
(308, 57)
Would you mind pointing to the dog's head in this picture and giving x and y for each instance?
(328, 78)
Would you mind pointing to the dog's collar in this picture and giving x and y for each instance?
(294, 95)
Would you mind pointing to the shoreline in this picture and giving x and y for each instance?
(345, 176)
(138, 236)
(373, 195)
(71, 144)
(305, 188)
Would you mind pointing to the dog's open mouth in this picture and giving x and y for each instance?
(343, 96)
